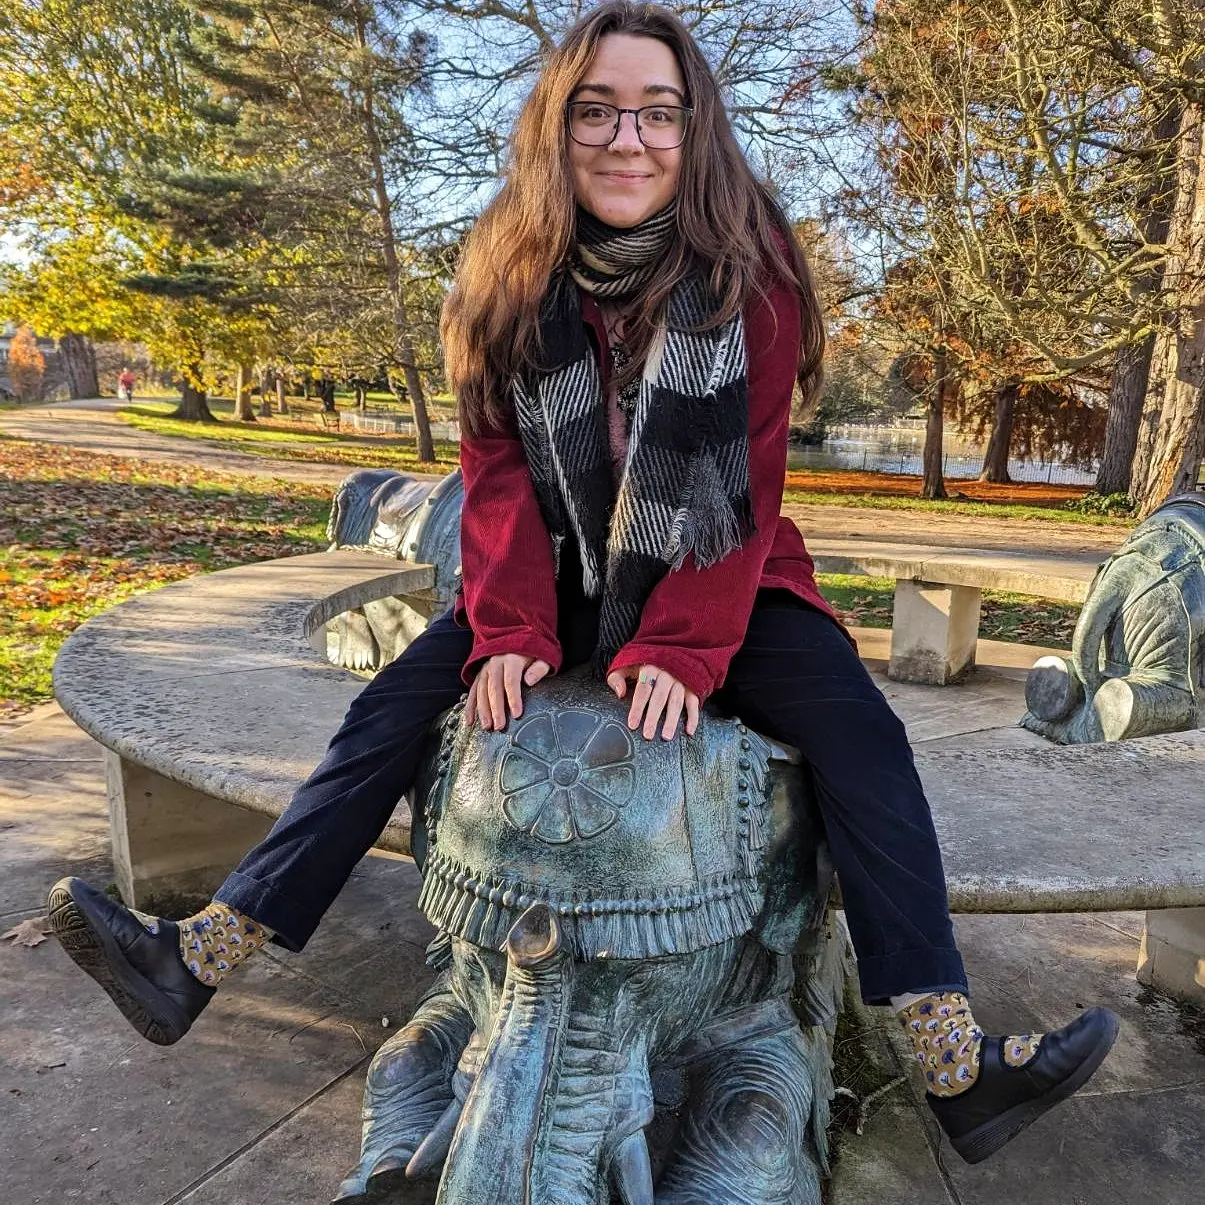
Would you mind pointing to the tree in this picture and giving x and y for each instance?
(26, 365)
(1016, 151)
(1173, 450)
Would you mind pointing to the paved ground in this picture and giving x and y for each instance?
(260, 1102)
(93, 425)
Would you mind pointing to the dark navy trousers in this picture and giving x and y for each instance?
(796, 679)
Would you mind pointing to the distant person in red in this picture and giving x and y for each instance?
(125, 385)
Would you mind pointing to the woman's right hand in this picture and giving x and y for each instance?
(498, 685)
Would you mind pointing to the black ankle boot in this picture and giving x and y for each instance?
(1004, 1099)
(142, 971)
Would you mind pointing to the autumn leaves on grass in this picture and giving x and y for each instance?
(80, 532)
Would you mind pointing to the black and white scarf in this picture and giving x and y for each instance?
(684, 487)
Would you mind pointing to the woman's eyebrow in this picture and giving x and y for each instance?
(649, 90)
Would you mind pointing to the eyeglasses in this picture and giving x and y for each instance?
(659, 127)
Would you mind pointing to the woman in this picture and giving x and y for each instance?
(628, 321)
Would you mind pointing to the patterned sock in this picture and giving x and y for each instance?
(217, 939)
(947, 1041)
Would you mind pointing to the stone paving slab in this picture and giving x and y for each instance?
(1133, 1134)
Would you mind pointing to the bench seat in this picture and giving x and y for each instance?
(935, 621)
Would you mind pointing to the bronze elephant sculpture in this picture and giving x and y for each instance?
(616, 1015)
(382, 510)
(1138, 654)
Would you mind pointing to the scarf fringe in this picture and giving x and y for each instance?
(708, 523)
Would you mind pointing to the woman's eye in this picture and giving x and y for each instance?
(658, 115)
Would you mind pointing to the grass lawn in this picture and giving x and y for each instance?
(1016, 618)
(953, 506)
(288, 439)
(80, 532)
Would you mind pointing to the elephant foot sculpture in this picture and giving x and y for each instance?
(619, 921)
(1138, 654)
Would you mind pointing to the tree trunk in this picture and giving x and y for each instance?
(242, 395)
(282, 401)
(361, 398)
(326, 390)
(934, 487)
(995, 459)
(265, 388)
(1131, 377)
(1126, 392)
(1178, 446)
(193, 407)
(79, 362)
(403, 345)
(305, 388)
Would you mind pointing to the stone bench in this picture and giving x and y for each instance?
(935, 620)
(213, 701)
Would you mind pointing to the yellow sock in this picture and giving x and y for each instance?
(217, 939)
(948, 1042)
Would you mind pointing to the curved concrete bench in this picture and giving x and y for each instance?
(212, 692)
(935, 621)
(213, 704)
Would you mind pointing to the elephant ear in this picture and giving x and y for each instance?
(747, 1136)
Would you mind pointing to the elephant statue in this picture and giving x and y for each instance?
(619, 927)
(1138, 654)
(382, 510)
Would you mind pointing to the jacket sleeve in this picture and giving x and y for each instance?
(507, 570)
(695, 619)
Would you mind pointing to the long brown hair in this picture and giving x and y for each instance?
(728, 224)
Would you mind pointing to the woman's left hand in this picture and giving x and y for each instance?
(655, 692)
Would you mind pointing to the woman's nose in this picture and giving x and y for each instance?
(627, 137)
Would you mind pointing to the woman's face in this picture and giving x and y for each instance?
(625, 182)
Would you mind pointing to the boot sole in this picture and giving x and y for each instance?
(988, 1138)
(95, 951)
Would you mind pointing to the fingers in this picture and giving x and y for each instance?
(498, 688)
(512, 672)
(494, 690)
(641, 693)
(692, 712)
(535, 671)
(618, 683)
(656, 704)
(673, 710)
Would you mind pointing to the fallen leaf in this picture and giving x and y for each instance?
(30, 932)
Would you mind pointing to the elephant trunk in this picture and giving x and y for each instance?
(492, 1153)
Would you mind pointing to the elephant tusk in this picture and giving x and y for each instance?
(633, 1170)
(434, 1148)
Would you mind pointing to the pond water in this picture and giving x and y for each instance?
(900, 450)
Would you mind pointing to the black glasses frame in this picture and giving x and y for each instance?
(686, 110)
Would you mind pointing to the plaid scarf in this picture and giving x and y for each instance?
(684, 488)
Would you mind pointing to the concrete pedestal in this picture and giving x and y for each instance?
(934, 629)
(171, 843)
(1172, 955)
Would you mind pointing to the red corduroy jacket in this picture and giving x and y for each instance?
(695, 619)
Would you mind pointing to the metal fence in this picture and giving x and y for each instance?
(384, 422)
